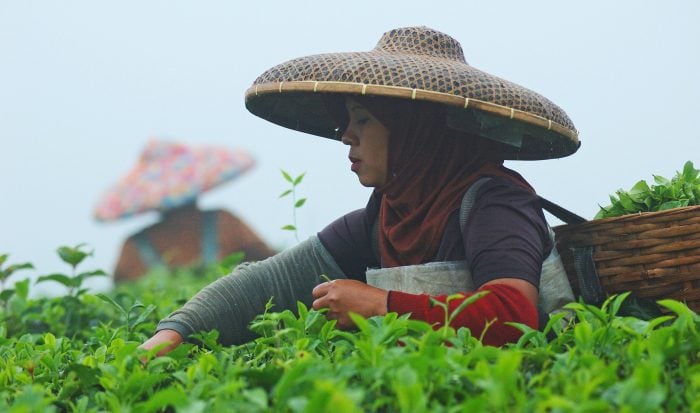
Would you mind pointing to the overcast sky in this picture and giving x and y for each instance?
(84, 85)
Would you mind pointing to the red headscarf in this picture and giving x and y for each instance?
(430, 168)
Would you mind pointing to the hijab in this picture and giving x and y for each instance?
(430, 168)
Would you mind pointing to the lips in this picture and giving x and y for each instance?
(355, 163)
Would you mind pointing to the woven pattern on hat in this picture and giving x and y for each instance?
(408, 63)
(427, 60)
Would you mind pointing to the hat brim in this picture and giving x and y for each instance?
(530, 126)
(171, 183)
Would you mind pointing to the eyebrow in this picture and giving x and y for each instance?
(353, 107)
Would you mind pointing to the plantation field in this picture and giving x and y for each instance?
(79, 353)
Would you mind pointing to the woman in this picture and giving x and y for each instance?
(186, 236)
(168, 178)
(423, 128)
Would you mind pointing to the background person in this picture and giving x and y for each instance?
(168, 178)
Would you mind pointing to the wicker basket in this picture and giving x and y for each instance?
(655, 255)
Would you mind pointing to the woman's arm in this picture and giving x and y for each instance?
(231, 303)
(502, 303)
(171, 338)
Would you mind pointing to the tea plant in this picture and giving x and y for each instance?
(21, 288)
(598, 360)
(73, 257)
(296, 203)
(5, 273)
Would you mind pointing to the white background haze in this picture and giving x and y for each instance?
(84, 84)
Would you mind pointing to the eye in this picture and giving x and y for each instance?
(362, 120)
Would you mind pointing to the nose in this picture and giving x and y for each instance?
(349, 138)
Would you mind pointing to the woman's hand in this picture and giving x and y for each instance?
(172, 337)
(342, 296)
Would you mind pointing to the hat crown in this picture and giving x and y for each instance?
(420, 64)
(159, 150)
(422, 41)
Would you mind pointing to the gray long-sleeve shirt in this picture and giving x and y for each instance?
(231, 303)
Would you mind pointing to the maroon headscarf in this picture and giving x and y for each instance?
(430, 168)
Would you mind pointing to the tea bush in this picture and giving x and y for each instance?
(79, 353)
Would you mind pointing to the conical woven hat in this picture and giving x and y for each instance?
(421, 64)
(168, 175)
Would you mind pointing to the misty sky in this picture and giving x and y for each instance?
(84, 85)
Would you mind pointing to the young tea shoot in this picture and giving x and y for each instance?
(296, 203)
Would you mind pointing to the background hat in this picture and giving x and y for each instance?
(170, 174)
(415, 63)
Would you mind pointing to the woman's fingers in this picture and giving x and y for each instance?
(321, 289)
(342, 296)
(319, 303)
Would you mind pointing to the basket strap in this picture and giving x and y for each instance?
(560, 212)
(469, 199)
(210, 237)
(149, 255)
(557, 210)
(588, 279)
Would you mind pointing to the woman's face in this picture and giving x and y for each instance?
(369, 145)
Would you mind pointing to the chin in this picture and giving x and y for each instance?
(369, 182)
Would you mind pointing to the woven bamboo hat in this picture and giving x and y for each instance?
(421, 64)
(170, 174)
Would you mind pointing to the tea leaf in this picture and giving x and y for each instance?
(680, 191)
(60, 278)
(6, 294)
(111, 301)
(22, 288)
(287, 177)
(72, 256)
(298, 179)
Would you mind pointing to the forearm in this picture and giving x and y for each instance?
(231, 303)
(501, 304)
(169, 339)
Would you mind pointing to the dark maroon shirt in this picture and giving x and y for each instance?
(506, 235)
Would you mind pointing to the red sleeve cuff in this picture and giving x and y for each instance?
(502, 304)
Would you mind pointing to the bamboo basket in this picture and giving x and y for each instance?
(655, 255)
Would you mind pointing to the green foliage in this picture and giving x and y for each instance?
(73, 257)
(21, 289)
(680, 191)
(296, 203)
(5, 273)
(592, 358)
(226, 265)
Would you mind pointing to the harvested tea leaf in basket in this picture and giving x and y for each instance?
(680, 191)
